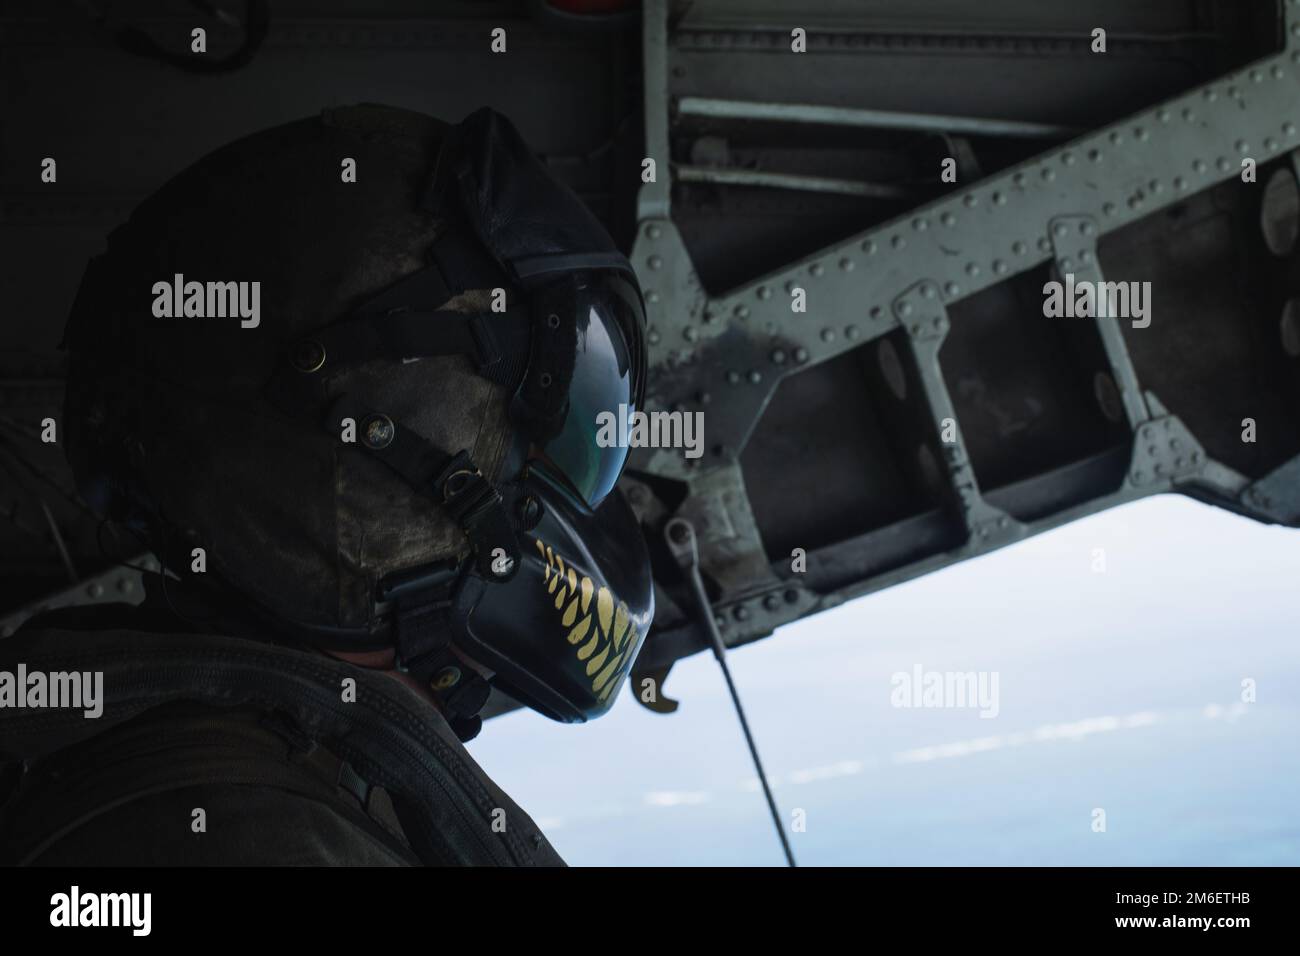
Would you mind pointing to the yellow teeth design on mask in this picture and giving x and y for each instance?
(598, 625)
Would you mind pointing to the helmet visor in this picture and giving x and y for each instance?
(590, 448)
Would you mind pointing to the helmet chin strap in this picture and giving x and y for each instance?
(423, 603)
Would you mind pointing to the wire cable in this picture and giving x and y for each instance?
(681, 541)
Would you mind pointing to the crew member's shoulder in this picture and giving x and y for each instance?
(135, 730)
(188, 784)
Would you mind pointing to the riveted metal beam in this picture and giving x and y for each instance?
(728, 353)
(977, 237)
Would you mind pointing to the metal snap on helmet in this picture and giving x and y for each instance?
(401, 449)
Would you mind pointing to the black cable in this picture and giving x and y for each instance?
(684, 550)
(19, 458)
(11, 513)
(719, 653)
(544, 12)
(112, 558)
(143, 572)
(256, 21)
(60, 544)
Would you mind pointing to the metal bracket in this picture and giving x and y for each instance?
(1165, 452)
(121, 584)
(726, 529)
(921, 313)
(1277, 494)
(1074, 246)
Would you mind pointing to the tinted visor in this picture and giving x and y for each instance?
(608, 372)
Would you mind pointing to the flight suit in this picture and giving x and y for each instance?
(215, 750)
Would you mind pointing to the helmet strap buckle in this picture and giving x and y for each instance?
(479, 509)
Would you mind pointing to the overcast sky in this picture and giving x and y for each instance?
(1118, 693)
